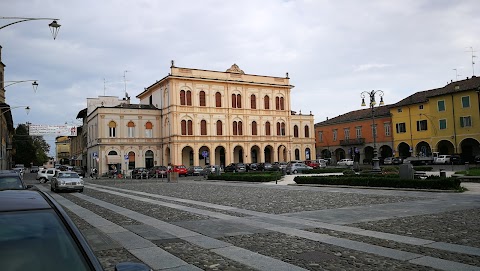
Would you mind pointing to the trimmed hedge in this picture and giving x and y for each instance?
(422, 168)
(431, 182)
(323, 170)
(247, 177)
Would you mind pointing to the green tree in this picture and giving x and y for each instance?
(29, 149)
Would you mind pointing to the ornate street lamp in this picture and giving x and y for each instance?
(54, 26)
(34, 84)
(371, 95)
(8, 108)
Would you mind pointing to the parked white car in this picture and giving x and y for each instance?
(345, 162)
(442, 159)
(45, 175)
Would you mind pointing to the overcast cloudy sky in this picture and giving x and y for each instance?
(332, 50)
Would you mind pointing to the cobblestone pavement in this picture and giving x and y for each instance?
(200, 225)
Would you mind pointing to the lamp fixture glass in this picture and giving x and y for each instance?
(35, 86)
(54, 28)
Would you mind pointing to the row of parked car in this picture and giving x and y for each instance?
(162, 171)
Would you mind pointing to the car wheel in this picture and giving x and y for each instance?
(295, 171)
(80, 190)
(43, 180)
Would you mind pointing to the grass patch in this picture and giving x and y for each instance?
(475, 171)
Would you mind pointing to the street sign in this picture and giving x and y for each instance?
(205, 154)
(125, 156)
(95, 155)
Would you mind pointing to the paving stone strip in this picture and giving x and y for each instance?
(158, 258)
(295, 220)
(378, 250)
(143, 249)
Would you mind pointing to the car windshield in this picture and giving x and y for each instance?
(24, 237)
(10, 182)
(68, 175)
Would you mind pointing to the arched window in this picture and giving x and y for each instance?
(203, 127)
(235, 128)
(278, 128)
(112, 127)
(240, 128)
(282, 127)
(184, 127)
(282, 103)
(202, 98)
(149, 129)
(277, 103)
(218, 99)
(219, 127)
(307, 131)
(234, 101)
(112, 153)
(239, 101)
(190, 127)
(182, 97)
(253, 102)
(189, 97)
(131, 160)
(295, 131)
(267, 128)
(131, 129)
(254, 128)
(266, 102)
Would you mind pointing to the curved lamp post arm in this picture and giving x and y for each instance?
(27, 109)
(54, 26)
(34, 84)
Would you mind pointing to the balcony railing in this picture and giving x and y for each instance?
(352, 141)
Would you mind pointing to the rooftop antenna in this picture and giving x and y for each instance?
(456, 74)
(473, 59)
(125, 81)
(104, 86)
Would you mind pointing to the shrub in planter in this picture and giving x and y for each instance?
(382, 181)
(247, 177)
(323, 170)
(348, 172)
(423, 168)
(390, 170)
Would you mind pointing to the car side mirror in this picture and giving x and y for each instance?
(129, 266)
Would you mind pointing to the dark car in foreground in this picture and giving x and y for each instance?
(37, 234)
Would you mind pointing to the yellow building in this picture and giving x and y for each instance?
(444, 120)
(62, 147)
